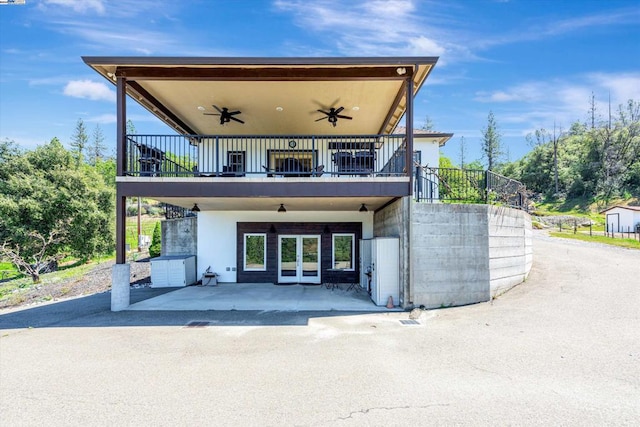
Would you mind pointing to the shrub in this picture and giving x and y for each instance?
(156, 241)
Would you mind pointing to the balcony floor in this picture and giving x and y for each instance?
(262, 193)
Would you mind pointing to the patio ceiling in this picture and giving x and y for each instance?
(277, 96)
(292, 204)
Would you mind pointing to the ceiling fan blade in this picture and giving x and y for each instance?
(211, 114)
(237, 120)
(234, 113)
(344, 117)
(324, 112)
(322, 118)
(339, 110)
(216, 107)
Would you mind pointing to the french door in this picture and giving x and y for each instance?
(298, 259)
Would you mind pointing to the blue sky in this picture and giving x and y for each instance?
(531, 62)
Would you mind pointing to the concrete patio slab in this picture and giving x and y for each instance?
(261, 296)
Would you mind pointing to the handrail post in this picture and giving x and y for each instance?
(314, 160)
(487, 186)
(217, 156)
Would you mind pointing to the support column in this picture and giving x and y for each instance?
(120, 282)
(120, 287)
(409, 123)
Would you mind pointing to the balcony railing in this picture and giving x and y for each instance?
(246, 156)
(468, 186)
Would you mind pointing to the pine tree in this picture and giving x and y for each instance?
(463, 152)
(79, 142)
(491, 144)
(97, 148)
(428, 124)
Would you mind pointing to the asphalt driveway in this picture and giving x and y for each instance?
(561, 349)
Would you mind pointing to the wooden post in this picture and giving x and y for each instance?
(409, 132)
(121, 207)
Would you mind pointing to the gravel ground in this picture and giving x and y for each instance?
(97, 280)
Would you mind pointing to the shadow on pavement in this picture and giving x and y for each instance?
(95, 311)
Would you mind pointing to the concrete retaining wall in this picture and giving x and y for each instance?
(510, 247)
(180, 236)
(463, 254)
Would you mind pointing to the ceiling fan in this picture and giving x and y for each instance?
(225, 115)
(333, 115)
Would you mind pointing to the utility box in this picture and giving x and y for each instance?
(173, 271)
(380, 268)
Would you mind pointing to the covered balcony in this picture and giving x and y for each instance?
(301, 156)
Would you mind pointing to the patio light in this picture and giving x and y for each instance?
(363, 208)
(282, 208)
(195, 208)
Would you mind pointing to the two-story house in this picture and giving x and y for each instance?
(289, 162)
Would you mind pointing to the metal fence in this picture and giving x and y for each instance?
(173, 211)
(468, 186)
(229, 156)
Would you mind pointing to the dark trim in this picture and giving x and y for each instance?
(162, 110)
(279, 188)
(121, 124)
(121, 215)
(393, 109)
(327, 274)
(261, 74)
(205, 60)
(409, 122)
(395, 199)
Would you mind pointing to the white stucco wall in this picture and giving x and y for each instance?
(430, 152)
(217, 234)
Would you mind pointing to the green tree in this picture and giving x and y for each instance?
(79, 142)
(463, 152)
(97, 149)
(491, 142)
(44, 192)
(428, 124)
(155, 248)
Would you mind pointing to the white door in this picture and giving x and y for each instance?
(298, 259)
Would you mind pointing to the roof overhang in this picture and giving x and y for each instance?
(630, 208)
(277, 96)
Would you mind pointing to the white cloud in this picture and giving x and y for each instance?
(89, 90)
(623, 86)
(79, 6)
(373, 28)
(562, 101)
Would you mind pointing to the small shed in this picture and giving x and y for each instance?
(622, 218)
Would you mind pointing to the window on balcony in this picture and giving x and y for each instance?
(236, 161)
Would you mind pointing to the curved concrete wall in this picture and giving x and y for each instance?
(462, 254)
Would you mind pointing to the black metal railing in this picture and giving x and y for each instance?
(173, 211)
(239, 156)
(468, 186)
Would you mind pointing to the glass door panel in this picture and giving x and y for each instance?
(288, 265)
(310, 258)
(299, 259)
